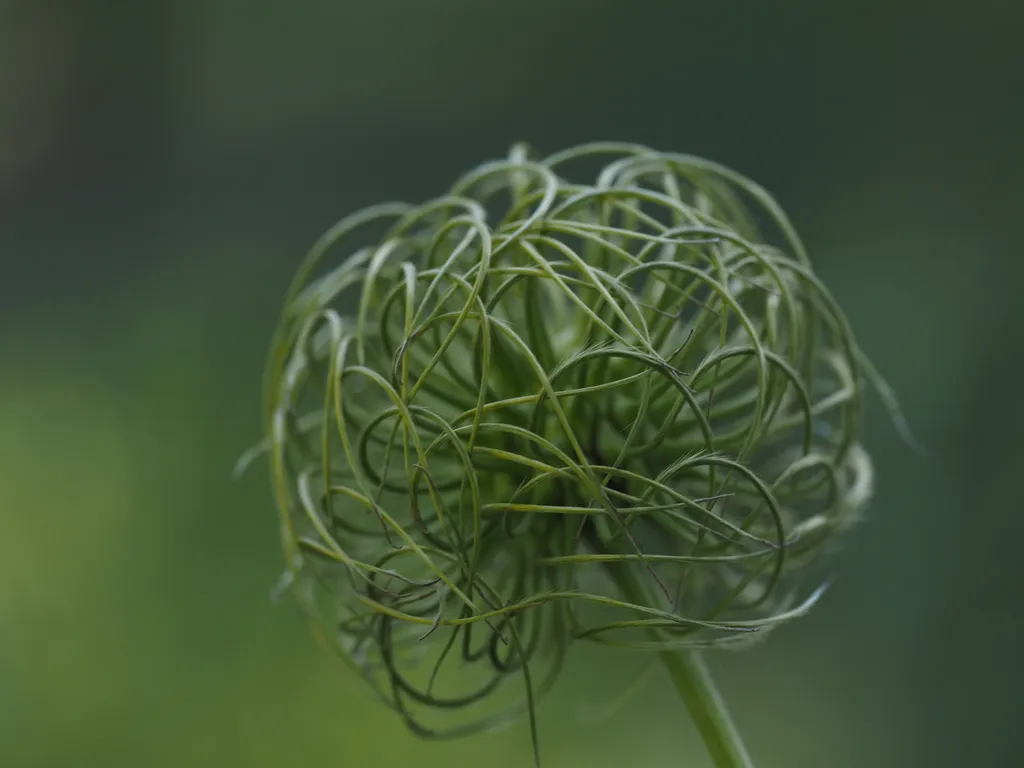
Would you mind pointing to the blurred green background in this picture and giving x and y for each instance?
(165, 164)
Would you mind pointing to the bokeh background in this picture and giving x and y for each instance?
(164, 164)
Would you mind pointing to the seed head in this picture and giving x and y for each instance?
(539, 410)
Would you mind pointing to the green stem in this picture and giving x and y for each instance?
(697, 689)
(692, 680)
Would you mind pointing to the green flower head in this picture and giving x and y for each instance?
(541, 409)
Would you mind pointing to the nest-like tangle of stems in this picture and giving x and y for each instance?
(536, 410)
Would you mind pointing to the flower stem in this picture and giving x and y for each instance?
(693, 682)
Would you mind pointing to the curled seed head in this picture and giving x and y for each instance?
(539, 410)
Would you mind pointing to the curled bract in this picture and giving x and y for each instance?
(539, 410)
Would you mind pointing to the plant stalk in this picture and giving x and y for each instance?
(693, 683)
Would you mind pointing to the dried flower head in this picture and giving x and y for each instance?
(538, 410)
